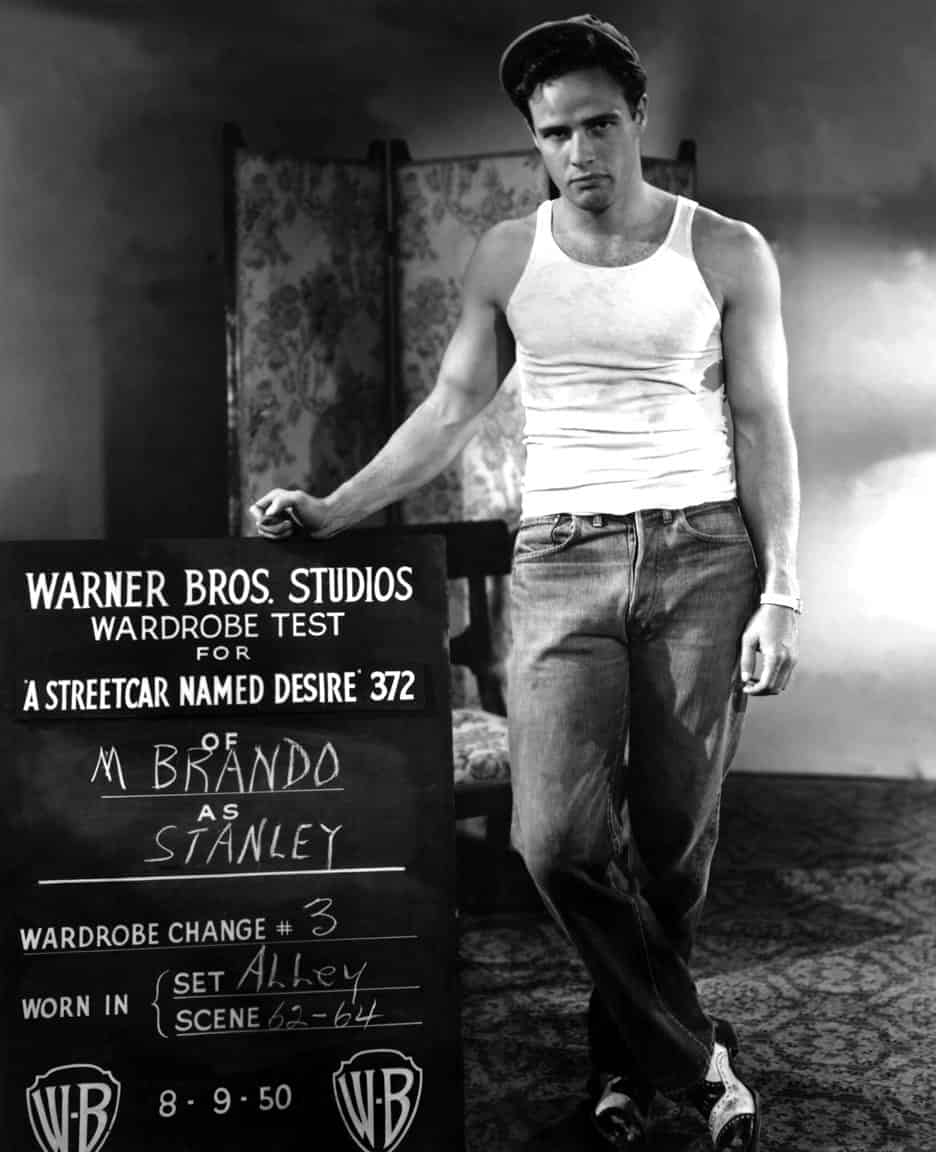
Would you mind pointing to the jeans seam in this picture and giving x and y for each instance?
(614, 831)
(617, 840)
(662, 1085)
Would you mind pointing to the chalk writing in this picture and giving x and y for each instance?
(284, 766)
(227, 834)
(260, 841)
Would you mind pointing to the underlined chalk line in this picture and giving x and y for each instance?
(304, 1028)
(216, 876)
(265, 793)
(217, 944)
(280, 993)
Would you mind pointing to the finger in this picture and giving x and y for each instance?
(748, 657)
(786, 675)
(269, 509)
(766, 683)
(261, 506)
(279, 503)
(275, 528)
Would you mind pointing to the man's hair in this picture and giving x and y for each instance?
(571, 53)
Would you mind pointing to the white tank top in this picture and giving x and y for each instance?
(620, 374)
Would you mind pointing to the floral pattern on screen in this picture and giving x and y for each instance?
(310, 321)
(444, 207)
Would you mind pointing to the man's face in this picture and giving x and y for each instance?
(587, 136)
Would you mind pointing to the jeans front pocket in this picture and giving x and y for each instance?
(543, 536)
(718, 522)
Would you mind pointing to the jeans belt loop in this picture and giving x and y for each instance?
(667, 516)
(598, 521)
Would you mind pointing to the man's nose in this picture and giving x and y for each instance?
(582, 151)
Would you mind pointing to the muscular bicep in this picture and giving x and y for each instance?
(752, 335)
(480, 353)
(481, 350)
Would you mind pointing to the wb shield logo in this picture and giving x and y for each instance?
(377, 1093)
(72, 1108)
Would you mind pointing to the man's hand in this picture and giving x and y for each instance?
(771, 632)
(281, 511)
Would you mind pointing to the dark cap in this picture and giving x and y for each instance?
(533, 43)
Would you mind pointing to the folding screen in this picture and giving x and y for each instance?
(445, 206)
(307, 357)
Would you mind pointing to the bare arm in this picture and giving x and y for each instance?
(765, 450)
(478, 357)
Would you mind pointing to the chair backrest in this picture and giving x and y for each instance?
(479, 551)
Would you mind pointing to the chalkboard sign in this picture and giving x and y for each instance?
(227, 847)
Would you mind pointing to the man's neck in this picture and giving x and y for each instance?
(633, 210)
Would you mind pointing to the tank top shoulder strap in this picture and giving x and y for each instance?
(680, 237)
(543, 243)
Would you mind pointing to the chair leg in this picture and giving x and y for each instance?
(497, 846)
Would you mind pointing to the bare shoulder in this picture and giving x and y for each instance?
(733, 257)
(499, 259)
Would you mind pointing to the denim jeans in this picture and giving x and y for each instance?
(625, 709)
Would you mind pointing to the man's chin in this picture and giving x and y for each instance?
(593, 197)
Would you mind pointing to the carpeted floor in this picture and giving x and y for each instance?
(819, 943)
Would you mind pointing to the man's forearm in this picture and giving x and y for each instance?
(768, 491)
(426, 443)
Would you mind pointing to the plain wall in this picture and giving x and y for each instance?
(812, 121)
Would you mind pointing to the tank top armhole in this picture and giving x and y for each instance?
(692, 205)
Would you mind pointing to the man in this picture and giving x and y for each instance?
(643, 600)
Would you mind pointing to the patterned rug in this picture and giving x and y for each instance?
(818, 942)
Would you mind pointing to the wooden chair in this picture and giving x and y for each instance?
(475, 551)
